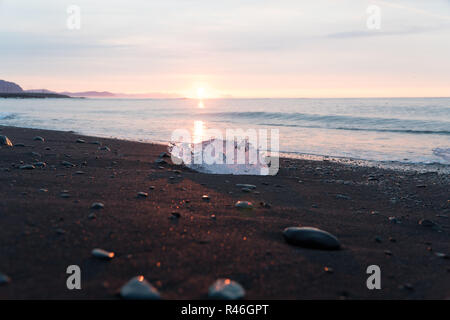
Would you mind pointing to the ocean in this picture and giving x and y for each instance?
(384, 130)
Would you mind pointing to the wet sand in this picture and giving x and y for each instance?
(43, 232)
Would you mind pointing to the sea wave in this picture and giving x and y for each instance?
(337, 122)
(7, 115)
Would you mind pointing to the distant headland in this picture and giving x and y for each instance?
(13, 90)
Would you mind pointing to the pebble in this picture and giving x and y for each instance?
(175, 215)
(160, 161)
(102, 254)
(43, 190)
(38, 138)
(226, 289)
(247, 186)
(4, 279)
(244, 205)
(247, 190)
(142, 194)
(205, 197)
(441, 255)
(104, 148)
(97, 205)
(40, 164)
(27, 167)
(328, 270)
(139, 289)
(67, 164)
(92, 216)
(310, 237)
(394, 220)
(342, 196)
(64, 195)
(265, 205)
(80, 141)
(426, 223)
(4, 141)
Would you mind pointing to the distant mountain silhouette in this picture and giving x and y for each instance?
(9, 87)
(90, 94)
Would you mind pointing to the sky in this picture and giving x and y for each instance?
(233, 48)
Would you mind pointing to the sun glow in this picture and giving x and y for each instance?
(201, 93)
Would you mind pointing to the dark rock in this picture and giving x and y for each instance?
(226, 289)
(244, 205)
(139, 289)
(27, 167)
(97, 205)
(426, 223)
(38, 138)
(311, 238)
(80, 141)
(4, 279)
(102, 254)
(142, 195)
(4, 141)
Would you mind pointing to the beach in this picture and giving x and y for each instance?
(398, 220)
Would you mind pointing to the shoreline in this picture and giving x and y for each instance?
(435, 167)
(374, 212)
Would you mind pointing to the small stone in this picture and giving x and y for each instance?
(244, 205)
(43, 190)
(80, 141)
(205, 197)
(79, 172)
(311, 238)
(139, 289)
(265, 205)
(246, 190)
(343, 197)
(247, 186)
(426, 223)
(92, 216)
(27, 167)
(421, 186)
(328, 270)
(394, 220)
(160, 161)
(378, 239)
(67, 164)
(226, 289)
(104, 148)
(142, 195)
(175, 214)
(97, 205)
(64, 195)
(4, 279)
(441, 255)
(38, 138)
(4, 141)
(60, 231)
(388, 252)
(40, 164)
(102, 254)
(213, 217)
